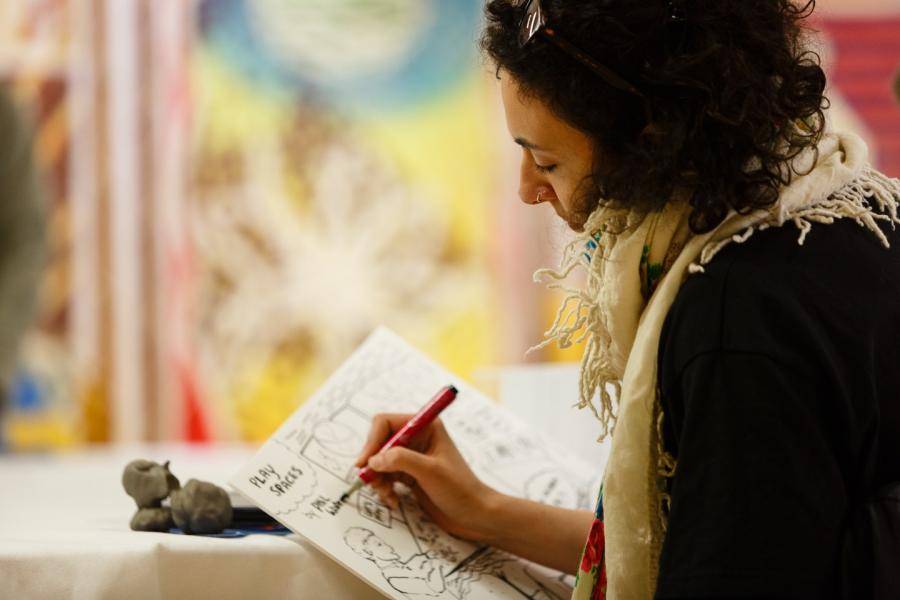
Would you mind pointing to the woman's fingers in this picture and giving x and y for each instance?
(403, 460)
(407, 480)
(398, 464)
(378, 434)
(383, 426)
(384, 488)
(407, 465)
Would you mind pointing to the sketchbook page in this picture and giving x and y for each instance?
(300, 473)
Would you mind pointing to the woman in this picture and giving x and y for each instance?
(742, 299)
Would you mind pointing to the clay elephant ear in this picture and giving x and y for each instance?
(201, 507)
(148, 482)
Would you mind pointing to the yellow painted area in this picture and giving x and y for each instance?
(229, 109)
(553, 353)
(43, 431)
(444, 147)
(269, 393)
(94, 405)
(463, 340)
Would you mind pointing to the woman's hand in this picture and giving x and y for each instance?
(461, 504)
(448, 491)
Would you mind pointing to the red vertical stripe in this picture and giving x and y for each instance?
(867, 59)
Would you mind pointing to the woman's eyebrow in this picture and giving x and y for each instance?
(526, 144)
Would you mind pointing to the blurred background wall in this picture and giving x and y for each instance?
(239, 190)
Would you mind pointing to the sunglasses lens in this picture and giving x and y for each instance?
(532, 21)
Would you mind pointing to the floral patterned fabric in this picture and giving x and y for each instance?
(590, 582)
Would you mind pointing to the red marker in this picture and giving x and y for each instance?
(417, 423)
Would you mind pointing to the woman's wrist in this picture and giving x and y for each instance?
(549, 535)
(494, 526)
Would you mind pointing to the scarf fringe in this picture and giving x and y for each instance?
(853, 201)
(580, 319)
(871, 200)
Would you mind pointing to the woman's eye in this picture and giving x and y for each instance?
(545, 168)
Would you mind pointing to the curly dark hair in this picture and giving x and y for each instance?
(733, 95)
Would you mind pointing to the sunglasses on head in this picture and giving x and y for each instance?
(534, 23)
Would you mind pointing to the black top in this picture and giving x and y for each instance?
(779, 371)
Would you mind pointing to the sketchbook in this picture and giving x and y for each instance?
(300, 473)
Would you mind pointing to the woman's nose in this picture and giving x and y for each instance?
(532, 188)
(531, 198)
(535, 194)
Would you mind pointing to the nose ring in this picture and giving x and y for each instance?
(538, 199)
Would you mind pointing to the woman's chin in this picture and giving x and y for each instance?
(574, 222)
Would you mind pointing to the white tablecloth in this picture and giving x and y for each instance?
(64, 534)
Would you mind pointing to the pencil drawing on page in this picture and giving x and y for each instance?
(301, 472)
(423, 573)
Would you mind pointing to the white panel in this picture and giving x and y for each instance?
(84, 327)
(171, 33)
(121, 71)
(543, 396)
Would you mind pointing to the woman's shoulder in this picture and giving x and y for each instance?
(773, 296)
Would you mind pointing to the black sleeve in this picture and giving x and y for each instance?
(758, 493)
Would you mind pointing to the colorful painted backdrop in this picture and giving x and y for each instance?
(240, 190)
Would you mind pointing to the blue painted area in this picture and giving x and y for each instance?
(25, 393)
(442, 54)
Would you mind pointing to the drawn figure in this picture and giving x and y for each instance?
(549, 487)
(516, 575)
(335, 442)
(374, 511)
(338, 438)
(427, 536)
(419, 576)
(503, 452)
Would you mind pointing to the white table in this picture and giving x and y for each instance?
(64, 534)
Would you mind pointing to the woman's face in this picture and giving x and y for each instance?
(556, 158)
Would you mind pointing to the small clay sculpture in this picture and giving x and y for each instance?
(201, 507)
(152, 519)
(148, 482)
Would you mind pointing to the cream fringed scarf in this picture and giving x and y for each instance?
(621, 330)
